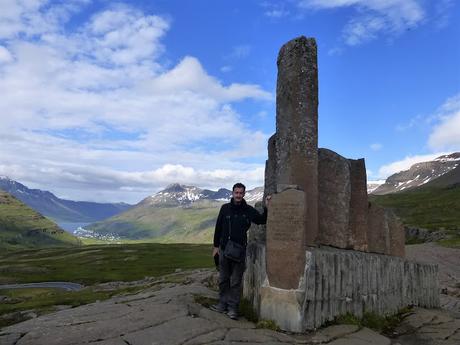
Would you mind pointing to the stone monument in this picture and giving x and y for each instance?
(326, 250)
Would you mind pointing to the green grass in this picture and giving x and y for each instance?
(430, 208)
(43, 301)
(192, 224)
(378, 323)
(101, 263)
(21, 227)
(89, 265)
(453, 242)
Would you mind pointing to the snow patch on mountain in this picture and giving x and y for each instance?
(419, 174)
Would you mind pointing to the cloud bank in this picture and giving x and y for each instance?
(94, 112)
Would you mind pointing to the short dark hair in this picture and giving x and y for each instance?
(239, 185)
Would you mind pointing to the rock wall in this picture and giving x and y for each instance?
(336, 282)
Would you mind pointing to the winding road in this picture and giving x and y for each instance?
(68, 286)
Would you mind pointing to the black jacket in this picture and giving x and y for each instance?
(239, 219)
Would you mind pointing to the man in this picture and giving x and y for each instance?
(233, 222)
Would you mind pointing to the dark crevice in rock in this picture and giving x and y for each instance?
(20, 337)
(127, 302)
(199, 335)
(76, 323)
(457, 331)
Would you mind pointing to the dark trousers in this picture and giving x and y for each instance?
(230, 282)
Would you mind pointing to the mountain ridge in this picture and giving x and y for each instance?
(59, 209)
(419, 174)
(22, 227)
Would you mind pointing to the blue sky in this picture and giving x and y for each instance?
(111, 101)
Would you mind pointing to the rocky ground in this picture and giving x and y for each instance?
(448, 260)
(172, 312)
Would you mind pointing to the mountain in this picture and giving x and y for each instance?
(21, 227)
(373, 185)
(419, 174)
(60, 209)
(179, 213)
(178, 195)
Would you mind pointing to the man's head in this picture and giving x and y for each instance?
(238, 191)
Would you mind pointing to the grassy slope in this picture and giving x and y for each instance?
(429, 207)
(194, 224)
(88, 265)
(101, 263)
(21, 227)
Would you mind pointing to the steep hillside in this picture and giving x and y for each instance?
(429, 206)
(192, 223)
(60, 209)
(178, 195)
(21, 227)
(419, 174)
(179, 213)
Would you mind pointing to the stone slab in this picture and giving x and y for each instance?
(334, 189)
(378, 232)
(358, 204)
(176, 331)
(397, 235)
(286, 239)
(284, 307)
(297, 124)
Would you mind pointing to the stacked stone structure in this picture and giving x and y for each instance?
(326, 249)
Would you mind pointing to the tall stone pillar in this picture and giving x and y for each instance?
(297, 125)
(358, 204)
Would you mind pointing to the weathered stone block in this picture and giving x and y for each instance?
(270, 168)
(358, 204)
(397, 235)
(336, 282)
(283, 307)
(286, 239)
(334, 200)
(297, 124)
(378, 232)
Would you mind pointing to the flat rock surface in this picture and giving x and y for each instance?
(169, 314)
(448, 261)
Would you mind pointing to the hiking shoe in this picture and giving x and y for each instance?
(220, 308)
(232, 314)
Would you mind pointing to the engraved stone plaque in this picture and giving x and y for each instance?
(286, 239)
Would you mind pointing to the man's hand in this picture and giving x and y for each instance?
(267, 200)
(215, 250)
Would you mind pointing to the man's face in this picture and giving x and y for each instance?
(238, 195)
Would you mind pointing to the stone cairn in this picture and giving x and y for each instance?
(325, 251)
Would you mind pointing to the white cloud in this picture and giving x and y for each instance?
(446, 134)
(5, 55)
(376, 146)
(374, 17)
(241, 51)
(275, 10)
(96, 113)
(226, 69)
(406, 163)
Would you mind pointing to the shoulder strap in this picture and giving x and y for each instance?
(230, 222)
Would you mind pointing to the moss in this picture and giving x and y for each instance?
(382, 324)
(205, 301)
(268, 324)
(453, 242)
(246, 310)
